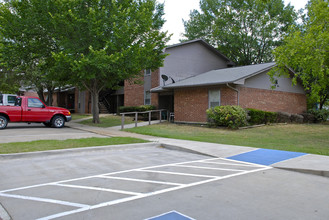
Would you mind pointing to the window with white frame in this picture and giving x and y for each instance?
(11, 99)
(214, 98)
(147, 98)
(147, 72)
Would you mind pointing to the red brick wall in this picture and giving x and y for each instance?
(191, 104)
(271, 100)
(133, 92)
(228, 96)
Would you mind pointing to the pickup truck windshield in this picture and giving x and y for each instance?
(1, 99)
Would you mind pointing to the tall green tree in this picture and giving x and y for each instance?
(244, 30)
(27, 44)
(104, 42)
(9, 83)
(306, 51)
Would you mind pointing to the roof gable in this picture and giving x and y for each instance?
(208, 46)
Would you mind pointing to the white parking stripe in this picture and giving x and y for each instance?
(99, 189)
(112, 173)
(231, 164)
(177, 173)
(134, 195)
(45, 200)
(46, 184)
(141, 180)
(209, 168)
(187, 217)
(106, 204)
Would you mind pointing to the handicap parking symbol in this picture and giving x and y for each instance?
(173, 215)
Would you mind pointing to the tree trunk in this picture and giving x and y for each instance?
(94, 92)
(40, 94)
(50, 97)
(323, 101)
(94, 106)
(58, 96)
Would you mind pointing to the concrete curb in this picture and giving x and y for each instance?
(77, 150)
(306, 171)
(182, 149)
(98, 148)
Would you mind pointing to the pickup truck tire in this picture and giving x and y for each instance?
(3, 122)
(58, 121)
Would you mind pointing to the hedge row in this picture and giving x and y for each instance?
(235, 116)
(256, 116)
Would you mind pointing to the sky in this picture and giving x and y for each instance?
(176, 10)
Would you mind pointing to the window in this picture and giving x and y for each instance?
(147, 98)
(148, 72)
(214, 98)
(11, 99)
(35, 103)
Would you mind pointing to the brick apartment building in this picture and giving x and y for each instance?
(196, 76)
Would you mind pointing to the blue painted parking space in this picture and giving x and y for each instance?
(173, 215)
(266, 156)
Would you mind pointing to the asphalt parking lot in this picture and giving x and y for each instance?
(150, 182)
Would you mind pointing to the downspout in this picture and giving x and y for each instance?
(237, 91)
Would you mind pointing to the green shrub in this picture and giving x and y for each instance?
(257, 116)
(141, 108)
(228, 116)
(271, 117)
(319, 115)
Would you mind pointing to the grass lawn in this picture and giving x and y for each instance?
(307, 138)
(43, 145)
(108, 121)
(76, 116)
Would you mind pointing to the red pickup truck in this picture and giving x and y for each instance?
(32, 109)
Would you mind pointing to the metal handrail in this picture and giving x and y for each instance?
(136, 116)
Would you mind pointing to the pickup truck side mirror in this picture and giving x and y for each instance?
(43, 106)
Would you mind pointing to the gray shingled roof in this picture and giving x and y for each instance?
(222, 76)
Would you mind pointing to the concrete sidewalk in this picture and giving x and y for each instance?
(309, 163)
